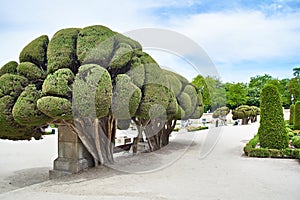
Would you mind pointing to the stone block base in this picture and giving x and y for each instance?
(72, 155)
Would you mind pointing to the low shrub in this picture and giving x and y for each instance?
(252, 150)
(296, 141)
(192, 128)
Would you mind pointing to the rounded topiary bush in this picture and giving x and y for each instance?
(292, 111)
(59, 83)
(297, 116)
(61, 51)
(55, 107)
(296, 141)
(12, 85)
(95, 45)
(36, 52)
(185, 103)
(9, 68)
(155, 102)
(221, 112)
(30, 71)
(25, 111)
(92, 91)
(126, 97)
(272, 132)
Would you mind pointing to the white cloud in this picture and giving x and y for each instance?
(230, 38)
(239, 36)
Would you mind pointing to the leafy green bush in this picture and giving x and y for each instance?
(296, 141)
(272, 132)
(297, 116)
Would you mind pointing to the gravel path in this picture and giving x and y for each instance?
(188, 168)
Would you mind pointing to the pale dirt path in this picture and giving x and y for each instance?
(224, 174)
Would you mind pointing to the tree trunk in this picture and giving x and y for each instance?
(98, 136)
(170, 125)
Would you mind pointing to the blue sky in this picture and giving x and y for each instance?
(242, 38)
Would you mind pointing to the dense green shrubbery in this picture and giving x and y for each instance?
(252, 150)
(272, 132)
(297, 116)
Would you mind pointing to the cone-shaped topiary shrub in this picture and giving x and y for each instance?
(272, 132)
(292, 112)
(297, 116)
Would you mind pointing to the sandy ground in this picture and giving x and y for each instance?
(188, 168)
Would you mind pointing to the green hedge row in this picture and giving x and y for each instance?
(251, 151)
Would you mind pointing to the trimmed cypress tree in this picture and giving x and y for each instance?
(272, 132)
(292, 111)
(297, 116)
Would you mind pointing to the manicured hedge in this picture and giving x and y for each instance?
(252, 150)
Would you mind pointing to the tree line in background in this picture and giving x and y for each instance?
(217, 94)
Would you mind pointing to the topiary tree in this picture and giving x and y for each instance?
(272, 132)
(297, 116)
(242, 112)
(292, 113)
(221, 112)
(90, 79)
(255, 111)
